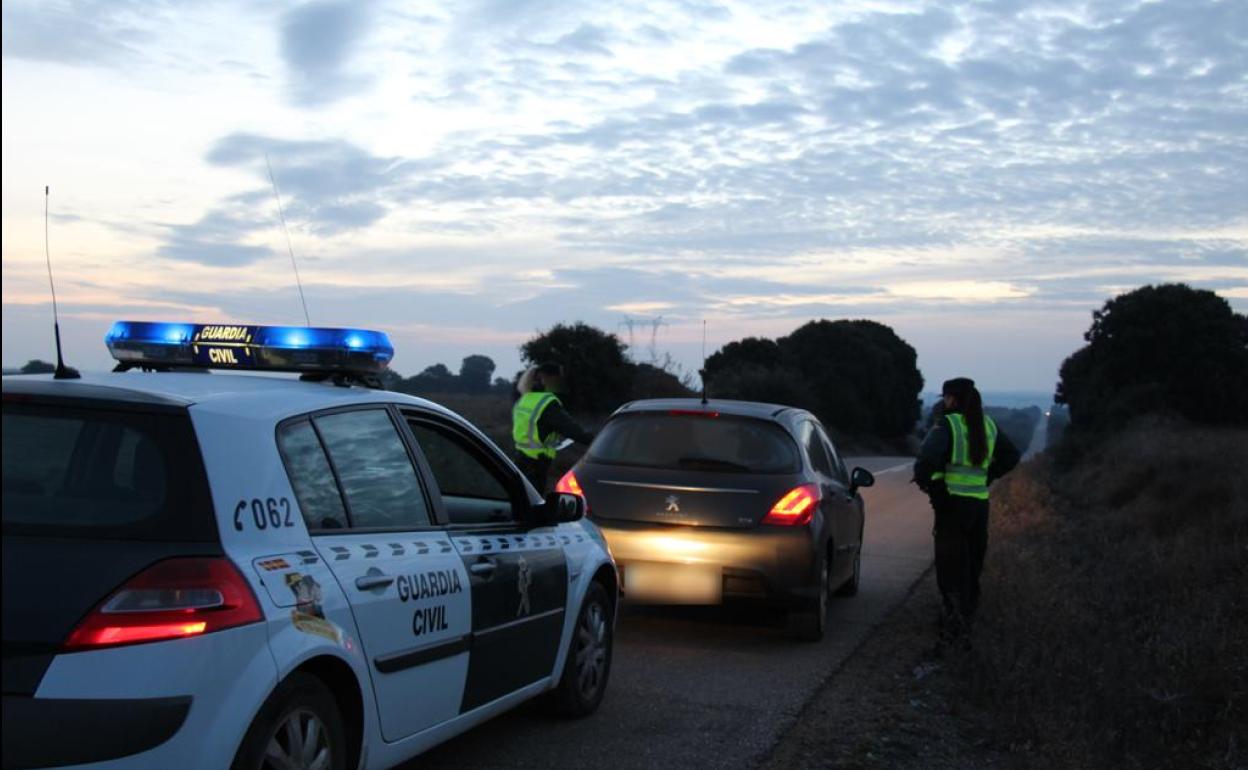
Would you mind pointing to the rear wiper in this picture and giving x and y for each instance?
(714, 462)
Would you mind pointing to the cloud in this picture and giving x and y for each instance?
(585, 39)
(879, 130)
(217, 239)
(319, 42)
(78, 33)
(328, 187)
(333, 186)
(757, 161)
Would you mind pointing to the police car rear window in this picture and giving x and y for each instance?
(86, 472)
(696, 443)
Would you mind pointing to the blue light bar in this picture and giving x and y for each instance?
(259, 348)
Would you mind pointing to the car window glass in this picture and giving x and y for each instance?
(91, 472)
(375, 471)
(814, 449)
(838, 466)
(311, 477)
(472, 491)
(51, 457)
(723, 444)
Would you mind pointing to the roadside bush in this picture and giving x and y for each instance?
(1114, 626)
(1167, 349)
(858, 377)
(597, 375)
(773, 385)
(650, 381)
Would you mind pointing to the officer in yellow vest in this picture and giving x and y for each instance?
(962, 454)
(539, 423)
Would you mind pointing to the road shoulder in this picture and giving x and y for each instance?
(891, 704)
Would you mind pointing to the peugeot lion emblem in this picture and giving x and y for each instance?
(673, 504)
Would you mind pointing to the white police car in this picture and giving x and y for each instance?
(226, 570)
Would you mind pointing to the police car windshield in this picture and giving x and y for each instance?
(85, 472)
(692, 442)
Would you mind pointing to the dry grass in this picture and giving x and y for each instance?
(1114, 626)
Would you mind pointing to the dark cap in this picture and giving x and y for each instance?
(957, 385)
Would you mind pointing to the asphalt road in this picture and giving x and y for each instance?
(713, 687)
(1039, 438)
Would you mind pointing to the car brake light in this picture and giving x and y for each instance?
(568, 485)
(692, 413)
(795, 508)
(172, 599)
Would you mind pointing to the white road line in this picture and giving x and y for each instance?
(903, 466)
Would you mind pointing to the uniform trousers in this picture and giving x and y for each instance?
(961, 535)
(535, 470)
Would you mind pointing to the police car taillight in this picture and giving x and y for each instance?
(171, 599)
(796, 508)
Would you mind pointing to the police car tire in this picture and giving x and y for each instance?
(567, 699)
(299, 692)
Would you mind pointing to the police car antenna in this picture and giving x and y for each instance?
(289, 246)
(62, 372)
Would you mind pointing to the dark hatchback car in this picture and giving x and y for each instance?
(703, 503)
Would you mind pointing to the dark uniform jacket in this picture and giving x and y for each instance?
(555, 419)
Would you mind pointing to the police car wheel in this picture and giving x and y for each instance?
(810, 623)
(299, 726)
(588, 666)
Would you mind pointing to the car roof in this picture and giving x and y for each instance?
(227, 393)
(727, 406)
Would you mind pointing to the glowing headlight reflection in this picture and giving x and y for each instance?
(668, 546)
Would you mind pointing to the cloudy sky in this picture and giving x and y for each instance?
(978, 175)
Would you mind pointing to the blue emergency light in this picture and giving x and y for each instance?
(150, 345)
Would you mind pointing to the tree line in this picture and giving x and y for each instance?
(597, 371)
(1166, 349)
(858, 377)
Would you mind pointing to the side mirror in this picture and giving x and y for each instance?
(859, 478)
(560, 507)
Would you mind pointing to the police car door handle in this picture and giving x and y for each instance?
(483, 568)
(371, 582)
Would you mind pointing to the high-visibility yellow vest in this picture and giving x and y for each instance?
(524, 416)
(960, 476)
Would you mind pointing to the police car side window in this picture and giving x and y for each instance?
(311, 477)
(374, 469)
(472, 491)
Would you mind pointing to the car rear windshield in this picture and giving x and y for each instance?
(696, 442)
(80, 471)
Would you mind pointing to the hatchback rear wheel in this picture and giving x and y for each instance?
(811, 622)
(850, 587)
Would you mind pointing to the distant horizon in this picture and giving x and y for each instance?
(81, 354)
